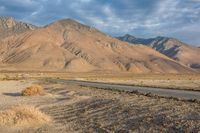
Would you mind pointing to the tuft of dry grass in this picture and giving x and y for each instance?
(22, 115)
(33, 90)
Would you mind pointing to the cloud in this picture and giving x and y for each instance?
(142, 18)
(85, 0)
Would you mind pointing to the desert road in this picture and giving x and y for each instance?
(181, 94)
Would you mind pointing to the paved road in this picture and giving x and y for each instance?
(182, 94)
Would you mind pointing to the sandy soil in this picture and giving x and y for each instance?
(80, 109)
(10, 91)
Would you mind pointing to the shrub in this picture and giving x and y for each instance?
(33, 90)
(22, 115)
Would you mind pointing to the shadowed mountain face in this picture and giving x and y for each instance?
(173, 48)
(67, 45)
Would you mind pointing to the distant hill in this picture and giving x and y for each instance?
(68, 46)
(173, 48)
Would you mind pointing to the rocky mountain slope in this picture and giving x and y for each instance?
(9, 26)
(67, 45)
(173, 48)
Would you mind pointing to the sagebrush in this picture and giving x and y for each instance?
(33, 90)
(22, 115)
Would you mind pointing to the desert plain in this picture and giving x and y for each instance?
(74, 108)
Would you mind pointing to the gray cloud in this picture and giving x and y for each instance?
(142, 18)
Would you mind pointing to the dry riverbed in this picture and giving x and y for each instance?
(74, 108)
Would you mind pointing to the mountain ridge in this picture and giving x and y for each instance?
(171, 47)
(69, 46)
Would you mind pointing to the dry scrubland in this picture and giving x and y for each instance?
(165, 81)
(71, 108)
(174, 81)
(22, 116)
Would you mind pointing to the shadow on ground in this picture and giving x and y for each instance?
(16, 94)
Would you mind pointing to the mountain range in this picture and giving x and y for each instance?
(171, 47)
(69, 46)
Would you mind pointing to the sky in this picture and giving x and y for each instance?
(141, 18)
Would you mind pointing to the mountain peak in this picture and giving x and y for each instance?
(72, 24)
(171, 47)
(9, 26)
(68, 20)
(6, 18)
(3, 18)
(127, 37)
(66, 23)
(7, 22)
(162, 37)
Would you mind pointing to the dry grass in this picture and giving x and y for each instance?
(22, 115)
(33, 90)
